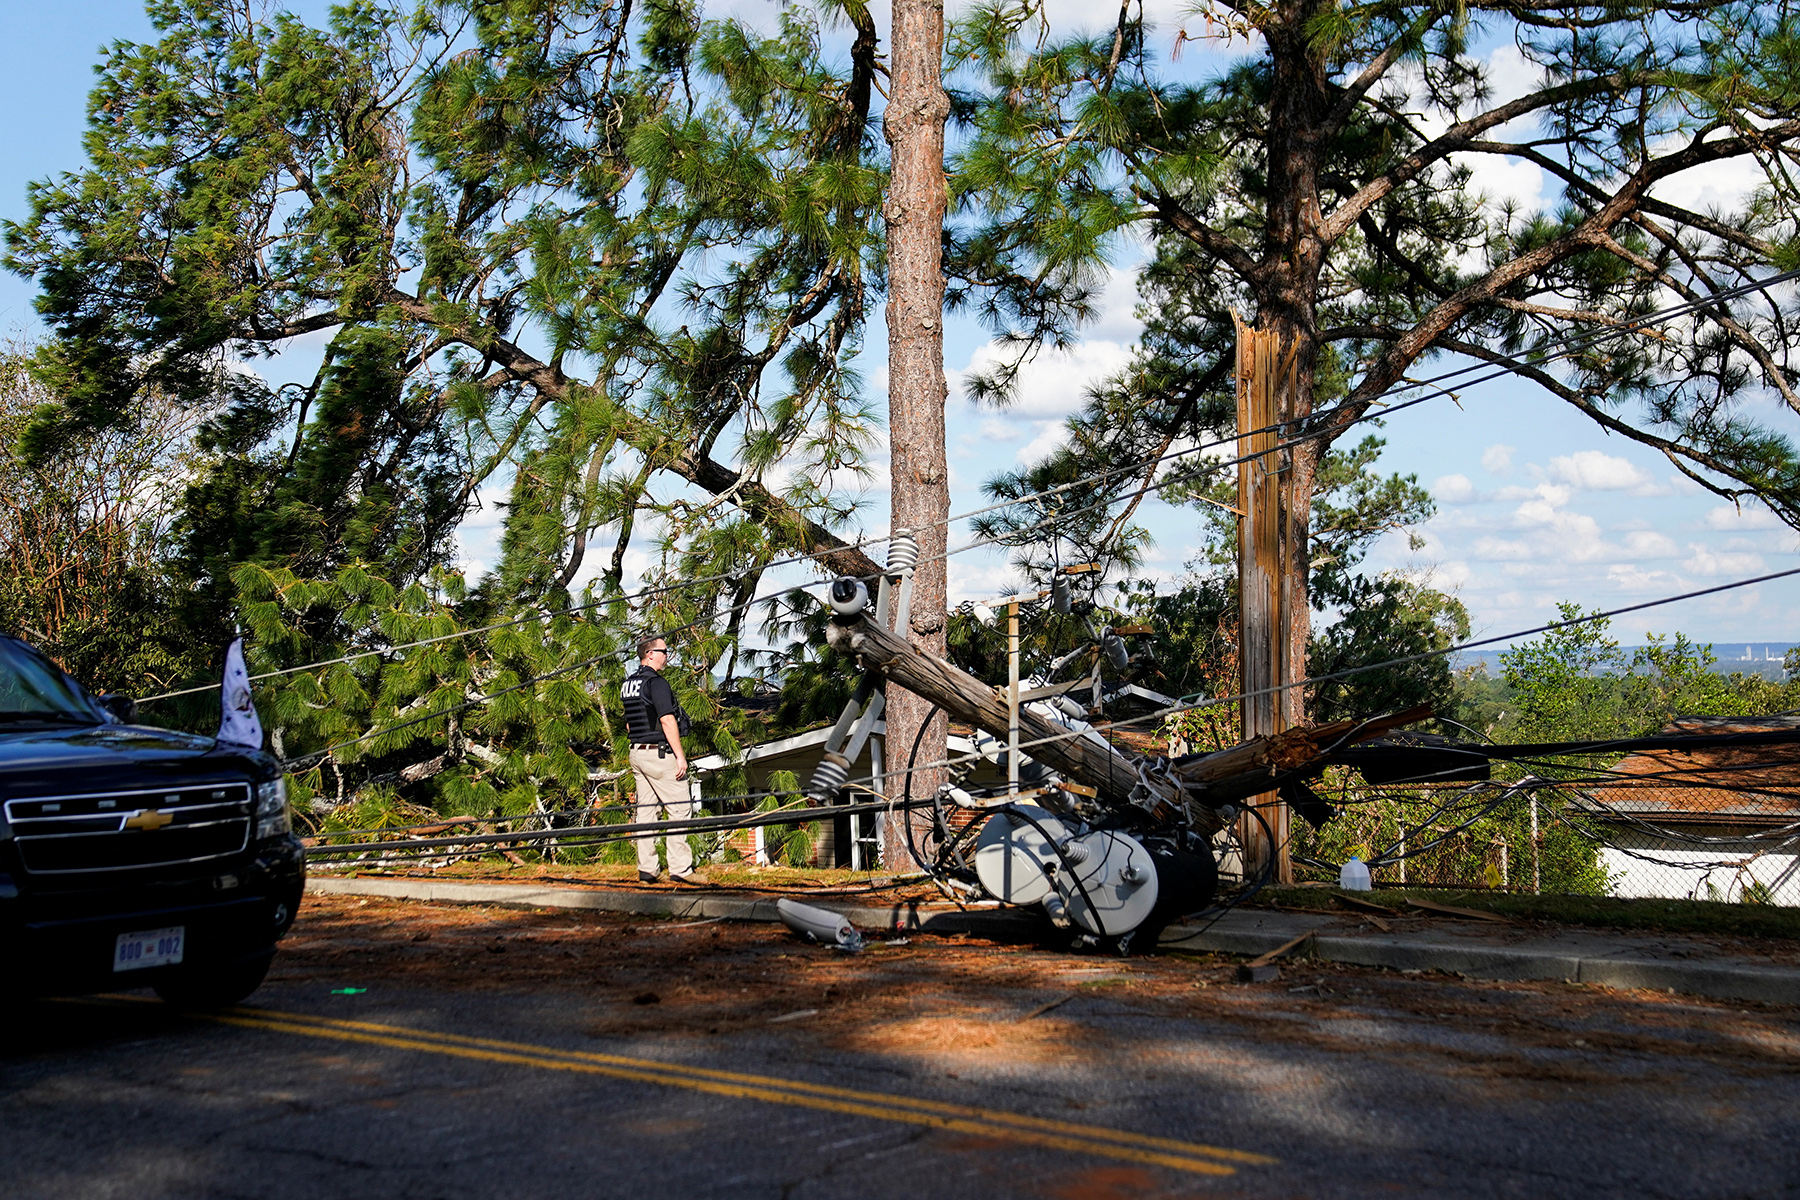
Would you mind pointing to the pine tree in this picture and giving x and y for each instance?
(610, 261)
(916, 388)
(553, 240)
(1320, 183)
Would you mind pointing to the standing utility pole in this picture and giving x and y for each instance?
(1266, 381)
(914, 212)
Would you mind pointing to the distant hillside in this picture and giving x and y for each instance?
(1750, 658)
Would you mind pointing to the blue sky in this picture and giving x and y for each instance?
(1536, 504)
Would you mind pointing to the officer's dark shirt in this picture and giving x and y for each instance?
(647, 698)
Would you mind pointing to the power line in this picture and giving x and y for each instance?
(1095, 477)
(812, 556)
(872, 782)
(1183, 706)
(976, 544)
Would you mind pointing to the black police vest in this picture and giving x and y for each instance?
(641, 722)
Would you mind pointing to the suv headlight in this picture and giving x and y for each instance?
(272, 818)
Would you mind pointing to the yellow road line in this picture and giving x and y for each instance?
(1122, 1136)
(1061, 1135)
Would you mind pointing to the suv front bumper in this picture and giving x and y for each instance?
(62, 940)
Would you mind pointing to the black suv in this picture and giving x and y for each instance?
(131, 856)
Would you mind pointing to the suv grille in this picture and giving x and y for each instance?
(121, 831)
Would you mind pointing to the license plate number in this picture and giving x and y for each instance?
(151, 948)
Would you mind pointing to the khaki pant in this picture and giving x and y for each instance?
(658, 791)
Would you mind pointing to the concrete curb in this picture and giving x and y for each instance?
(1577, 956)
(1608, 960)
(910, 917)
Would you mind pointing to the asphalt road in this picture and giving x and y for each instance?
(543, 1055)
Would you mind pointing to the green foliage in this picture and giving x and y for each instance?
(83, 526)
(793, 845)
(495, 723)
(679, 216)
(1378, 618)
(1321, 183)
(1577, 683)
(1387, 618)
(1496, 850)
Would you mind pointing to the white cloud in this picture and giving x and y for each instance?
(1749, 516)
(1453, 489)
(1632, 578)
(1115, 318)
(1050, 435)
(1054, 383)
(1511, 75)
(1645, 543)
(1497, 459)
(1513, 492)
(1494, 549)
(1713, 563)
(1597, 471)
(1454, 575)
(1717, 185)
(1502, 180)
(1542, 508)
(478, 537)
(978, 579)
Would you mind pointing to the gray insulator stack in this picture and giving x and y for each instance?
(1115, 648)
(828, 778)
(903, 552)
(1062, 595)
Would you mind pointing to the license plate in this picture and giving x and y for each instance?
(151, 948)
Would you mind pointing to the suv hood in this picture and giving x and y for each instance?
(97, 758)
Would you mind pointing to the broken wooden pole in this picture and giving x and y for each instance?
(1264, 379)
(1083, 757)
(1250, 768)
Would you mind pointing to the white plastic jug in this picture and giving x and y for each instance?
(1353, 876)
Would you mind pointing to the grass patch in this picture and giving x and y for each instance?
(1604, 912)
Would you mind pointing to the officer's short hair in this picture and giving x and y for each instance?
(647, 641)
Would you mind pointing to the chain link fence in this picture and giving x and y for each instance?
(1714, 835)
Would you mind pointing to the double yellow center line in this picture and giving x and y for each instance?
(882, 1106)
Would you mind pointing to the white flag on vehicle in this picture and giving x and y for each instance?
(238, 722)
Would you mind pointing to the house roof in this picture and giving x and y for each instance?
(814, 739)
(1756, 785)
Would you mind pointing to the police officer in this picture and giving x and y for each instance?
(655, 724)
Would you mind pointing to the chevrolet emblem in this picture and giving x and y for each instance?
(148, 819)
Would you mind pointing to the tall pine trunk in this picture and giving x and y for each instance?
(1293, 260)
(915, 207)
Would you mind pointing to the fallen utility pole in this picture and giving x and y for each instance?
(1214, 780)
(1119, 846)
(1251, 767)
(1087, 759)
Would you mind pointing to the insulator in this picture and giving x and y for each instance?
(1075, 852)
(1062, 595)
(955, 795)
(848, 597)
(828, 778)
(903, 552)
(1114, 645)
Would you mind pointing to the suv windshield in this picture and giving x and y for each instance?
(31, 688)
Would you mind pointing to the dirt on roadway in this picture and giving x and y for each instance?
(969, 1001)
